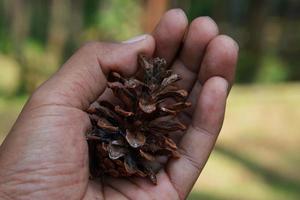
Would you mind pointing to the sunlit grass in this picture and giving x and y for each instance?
(257, 155)
(9, 110)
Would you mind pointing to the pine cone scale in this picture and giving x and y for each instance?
(127, 138)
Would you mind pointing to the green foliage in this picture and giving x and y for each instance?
(200, 8)
(38, 64)
(247, 66)
(267, 55)
(39, 23)
(5, 44)
(9, 76)
(272, 70)
(117, 19)
(90, 12)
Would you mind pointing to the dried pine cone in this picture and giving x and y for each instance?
(127, 138)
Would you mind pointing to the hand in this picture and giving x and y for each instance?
(45, 155)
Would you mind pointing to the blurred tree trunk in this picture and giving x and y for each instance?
(257, 21)
(59, 28)
(19, 25)
(154, 9)
(220, 11)
(290, 38)
(76, 25)
(185, 5)
(257, 13)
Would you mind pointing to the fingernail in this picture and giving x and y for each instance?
(135, 39)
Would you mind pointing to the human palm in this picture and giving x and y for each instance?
(45, 154)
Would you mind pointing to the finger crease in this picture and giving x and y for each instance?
(117, 190)
(194, 163)
(188, 67)
(172, 183)
(140, 187)
(202, 130)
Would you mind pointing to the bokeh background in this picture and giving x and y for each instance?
(257, 156)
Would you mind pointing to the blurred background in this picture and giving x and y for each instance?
(257, 156)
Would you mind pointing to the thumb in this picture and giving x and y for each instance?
(83, 77)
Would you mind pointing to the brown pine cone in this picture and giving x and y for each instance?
(127, 138)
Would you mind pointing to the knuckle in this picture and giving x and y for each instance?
(90, 46)
(36, 96)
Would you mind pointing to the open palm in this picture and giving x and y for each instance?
(45, 155)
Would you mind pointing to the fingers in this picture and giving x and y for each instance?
(83, 77)
(219, 60)
(169, 34)
(201, 31)
(215, 77)
(200, 138)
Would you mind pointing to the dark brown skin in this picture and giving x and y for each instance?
(45, 155)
